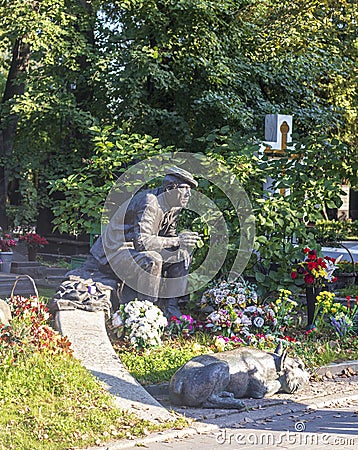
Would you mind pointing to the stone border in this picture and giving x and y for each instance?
(88, 335)
(338, 368)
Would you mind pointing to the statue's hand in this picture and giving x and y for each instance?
(188, 240)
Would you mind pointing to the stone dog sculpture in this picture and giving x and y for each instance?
(219, 380)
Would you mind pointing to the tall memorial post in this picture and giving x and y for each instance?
(278, 133)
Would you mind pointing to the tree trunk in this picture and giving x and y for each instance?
(8, 122)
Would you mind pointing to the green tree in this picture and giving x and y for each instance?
(172, 70)
(179, 68)
(47, 48)
(185, 68)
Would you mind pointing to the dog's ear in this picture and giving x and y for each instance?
(282, 360)
(279, 349)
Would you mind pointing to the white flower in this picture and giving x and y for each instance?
(251, 309)
(246, 320)
(219, 299)
(214, 317)
(258, 322)
(230, 300)
(151, 314)
(144, 323)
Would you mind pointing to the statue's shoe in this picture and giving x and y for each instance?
(171, 310)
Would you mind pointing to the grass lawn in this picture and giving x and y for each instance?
(50, 402)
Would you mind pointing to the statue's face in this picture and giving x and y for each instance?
(178, 196)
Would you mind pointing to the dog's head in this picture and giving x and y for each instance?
(292, 374)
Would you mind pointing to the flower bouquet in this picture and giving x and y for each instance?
(141, 322)
(236, 293)
(334, 314)
(33, 241)
(316, 272)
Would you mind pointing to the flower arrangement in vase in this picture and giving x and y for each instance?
(316, 272)
(7, 242)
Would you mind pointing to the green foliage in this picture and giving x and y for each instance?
(181, 71)
(51, 123)
(301, 186)
(317, 350)
(350, 290)
(186, 68)
(334, 231)
(175, 71)
(86, 190)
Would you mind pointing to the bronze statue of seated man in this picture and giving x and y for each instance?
(141, 247)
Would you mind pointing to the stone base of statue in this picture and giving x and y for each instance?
(121, 293)
(90, 270)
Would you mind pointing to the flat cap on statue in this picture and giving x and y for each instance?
(176, 174)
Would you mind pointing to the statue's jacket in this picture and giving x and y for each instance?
(144, 223)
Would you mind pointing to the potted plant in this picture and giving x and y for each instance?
(7, 242)
(33, 241)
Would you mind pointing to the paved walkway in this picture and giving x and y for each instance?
(324, 416)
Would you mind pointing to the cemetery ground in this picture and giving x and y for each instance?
(49, 400)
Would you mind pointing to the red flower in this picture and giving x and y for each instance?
(329, 258)
(312, 255)
(33, 239)
(306, 250)
(334, 279)
(322, 262)
(312, 265)
(309, 279)
(294, 274)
